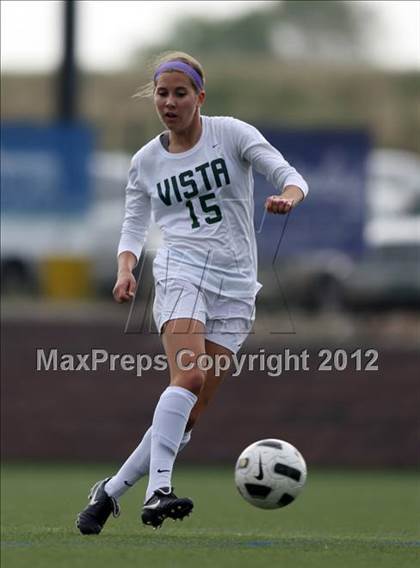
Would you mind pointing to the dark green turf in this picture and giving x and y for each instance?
(343, 519)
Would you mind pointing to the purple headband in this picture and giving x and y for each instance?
(178, 65)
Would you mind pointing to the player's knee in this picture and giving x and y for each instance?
(192, 380)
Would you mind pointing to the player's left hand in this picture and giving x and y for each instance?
(278, 204)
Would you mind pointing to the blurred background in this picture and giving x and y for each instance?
(336, 87)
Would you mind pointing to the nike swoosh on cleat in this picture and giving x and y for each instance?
(162, 470)
(128, 484)
(154, 506)
(260, 475)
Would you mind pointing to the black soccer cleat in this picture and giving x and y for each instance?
(93, 517)
(165, 504)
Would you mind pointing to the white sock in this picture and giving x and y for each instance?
(136, 466)
(169, 421)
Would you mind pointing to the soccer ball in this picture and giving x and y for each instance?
(270, 473)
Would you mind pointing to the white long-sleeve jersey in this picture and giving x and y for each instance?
(202, 200)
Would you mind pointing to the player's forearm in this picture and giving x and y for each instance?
(126, 262)
(293, 192)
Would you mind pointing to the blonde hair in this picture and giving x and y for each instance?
(149, 89)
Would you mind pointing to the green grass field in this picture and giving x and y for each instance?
(342, 519)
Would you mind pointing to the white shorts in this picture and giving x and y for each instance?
(228, 321)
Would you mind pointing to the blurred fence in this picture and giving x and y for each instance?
(62, 208)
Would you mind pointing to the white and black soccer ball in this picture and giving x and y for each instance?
(270, 473)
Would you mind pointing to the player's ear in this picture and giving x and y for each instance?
(201, 98)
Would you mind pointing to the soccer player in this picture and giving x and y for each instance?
(196, 180)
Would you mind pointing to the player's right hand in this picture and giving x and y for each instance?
(124, 288)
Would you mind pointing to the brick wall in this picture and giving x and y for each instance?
(342, 418)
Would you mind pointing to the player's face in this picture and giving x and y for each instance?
(176, 101)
